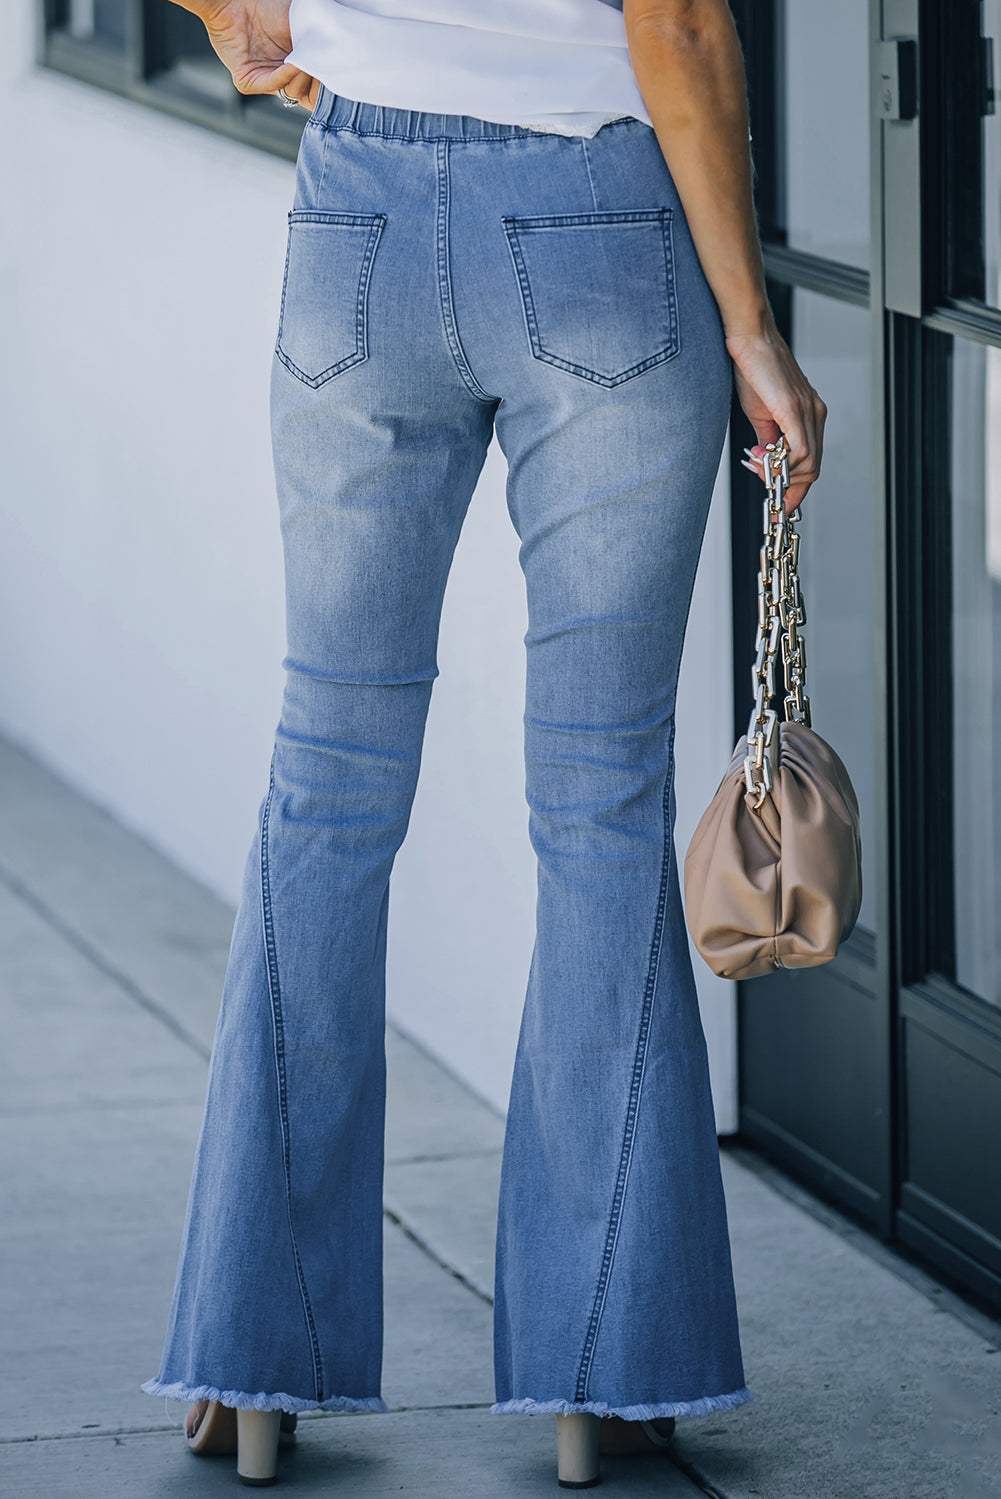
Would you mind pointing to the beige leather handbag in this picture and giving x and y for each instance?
(773, 875)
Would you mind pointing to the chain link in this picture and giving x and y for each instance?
(781, 615)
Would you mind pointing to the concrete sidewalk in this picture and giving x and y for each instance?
(870, 1379)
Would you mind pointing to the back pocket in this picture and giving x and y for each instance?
(598, 290)
(323, 327)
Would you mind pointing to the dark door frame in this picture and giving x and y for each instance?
(892, 1003)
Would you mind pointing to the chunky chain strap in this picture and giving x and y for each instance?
(780, 615)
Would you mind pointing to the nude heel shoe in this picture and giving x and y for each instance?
(257, 1435)
(622, 1437)
(210, 1429)
(577, 1450)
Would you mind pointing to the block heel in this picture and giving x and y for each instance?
(257, 1434)
(577, 1439)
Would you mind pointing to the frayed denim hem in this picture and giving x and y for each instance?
(677, 1408)
(239, 1400)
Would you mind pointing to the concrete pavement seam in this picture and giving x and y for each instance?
(433, 1255)
(166, 1429)
(152, 1007)
(437, 1158)
(475, 1098)
(692, 1473)
(889, 1256)
(93, 956)
(100, 1106)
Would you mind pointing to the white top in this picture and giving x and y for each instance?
(554, 65)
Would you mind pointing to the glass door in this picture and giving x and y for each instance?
(975, 481)
(814, 1044)
(877, 1079)
(948, 661)
(973, 281)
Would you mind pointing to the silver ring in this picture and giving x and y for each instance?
(287, 99)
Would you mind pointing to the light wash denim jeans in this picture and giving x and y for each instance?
(446, 276)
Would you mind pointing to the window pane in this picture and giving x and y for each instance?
(826, 127)
(991, 127)
(188, 65)
(976, 583)
(160, 53)
(101, 21)
(831, 341)
(109, 20)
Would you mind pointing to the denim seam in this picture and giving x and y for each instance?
(587, 168)
(635, 1093)
(278, 1025)
(444, 277)
(667, 226)
(434, 140)
(557, 221)
(524, 132)
(323, 170)
(376, 222)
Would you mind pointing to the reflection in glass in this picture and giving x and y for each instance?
(826, 127)
(831, 341)
(976, 585)
(102, 21)
(991, 128)
(192, 67)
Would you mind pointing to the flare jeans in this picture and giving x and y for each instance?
(447, 277)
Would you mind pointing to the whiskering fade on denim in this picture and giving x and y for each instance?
(449, 278)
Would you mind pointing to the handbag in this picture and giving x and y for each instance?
(773, 874)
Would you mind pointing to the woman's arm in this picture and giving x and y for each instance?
(690, 72)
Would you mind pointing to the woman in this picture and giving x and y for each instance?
(534, 219)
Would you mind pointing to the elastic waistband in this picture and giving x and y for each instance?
(334, 112)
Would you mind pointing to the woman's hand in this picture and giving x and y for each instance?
(252, 38)
(778, 398)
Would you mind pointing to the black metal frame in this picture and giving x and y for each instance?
(156, 36)
(779, 1035)
(957, 1033)
(931, 1053)
(956, 265)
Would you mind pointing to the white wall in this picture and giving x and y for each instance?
(140, 577)
(141, 627)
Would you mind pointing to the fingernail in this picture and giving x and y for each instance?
(749, 452)
(751, 469)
